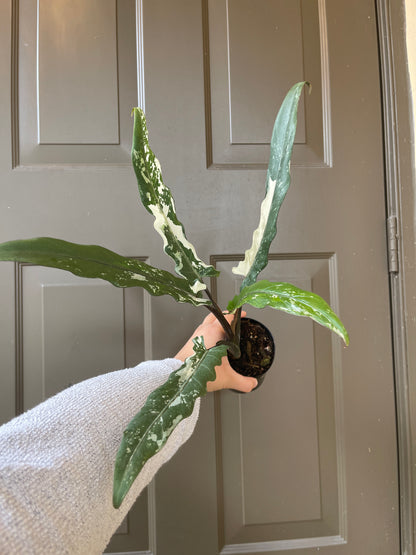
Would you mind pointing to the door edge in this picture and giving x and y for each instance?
(399, 179)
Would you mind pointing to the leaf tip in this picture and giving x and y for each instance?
(117, 497)
(343, 334)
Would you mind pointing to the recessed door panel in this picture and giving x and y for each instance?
(255, 53)
(77, 76)
(297, 409)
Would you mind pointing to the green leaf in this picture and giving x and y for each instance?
(92, 261)
(291, 299)
(277, 184)
(165, 407)
(157, 199)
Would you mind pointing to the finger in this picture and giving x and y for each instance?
(232, 314)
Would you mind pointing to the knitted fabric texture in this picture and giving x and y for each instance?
(57, 463)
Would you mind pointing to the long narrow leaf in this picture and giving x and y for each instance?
(92, 261)
(157, 199)
(291, 299)
(165, 407)
(277, 184)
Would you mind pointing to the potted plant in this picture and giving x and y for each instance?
(173, 401)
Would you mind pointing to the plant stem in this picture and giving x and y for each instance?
(237, 325)
(216, 310)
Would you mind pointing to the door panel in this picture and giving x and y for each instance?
(77, 72)
(242, 39)
(304, 426)
(70, 327)
(309, 460)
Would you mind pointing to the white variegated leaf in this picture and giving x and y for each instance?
(277, 185)
(157, 199)
(165, 407)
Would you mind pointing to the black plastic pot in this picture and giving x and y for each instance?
(257, 350)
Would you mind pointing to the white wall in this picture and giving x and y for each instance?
(411, 51)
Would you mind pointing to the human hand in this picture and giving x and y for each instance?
(227, 378)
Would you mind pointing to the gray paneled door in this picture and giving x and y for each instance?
(309, 461)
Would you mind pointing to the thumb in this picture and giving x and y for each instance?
(242, 383)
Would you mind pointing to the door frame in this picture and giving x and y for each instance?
(399, 180)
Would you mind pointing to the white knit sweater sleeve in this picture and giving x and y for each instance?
(57, 461)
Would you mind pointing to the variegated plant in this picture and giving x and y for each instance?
(174, 401)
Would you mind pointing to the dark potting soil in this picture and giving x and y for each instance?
(257, 349)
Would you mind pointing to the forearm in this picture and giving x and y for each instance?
(57, 461)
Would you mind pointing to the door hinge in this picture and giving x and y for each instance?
(393, 244)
